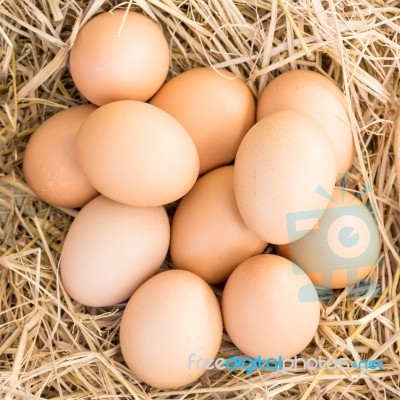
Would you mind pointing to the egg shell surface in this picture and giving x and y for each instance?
(318, 97)
(117, 58)
(215, 107)
(171, 317)
(208, 235)
(137, 154)
(270, 307)
(284, 174)
(50, 165)
(112, 248)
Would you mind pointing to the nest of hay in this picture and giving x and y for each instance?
(54, 348)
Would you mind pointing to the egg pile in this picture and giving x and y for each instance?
(267, 175)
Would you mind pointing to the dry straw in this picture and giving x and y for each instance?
(54, 348)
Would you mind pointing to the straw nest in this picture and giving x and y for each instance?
(53, 348)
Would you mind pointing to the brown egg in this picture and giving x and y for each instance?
(110, 249)
(116, 59)
(317, 96)
(50, 165)
(215, 107)
(270, 307)
(285, 168)
(342, 248)
(137, 154)
(208, 235)
(170, 319)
